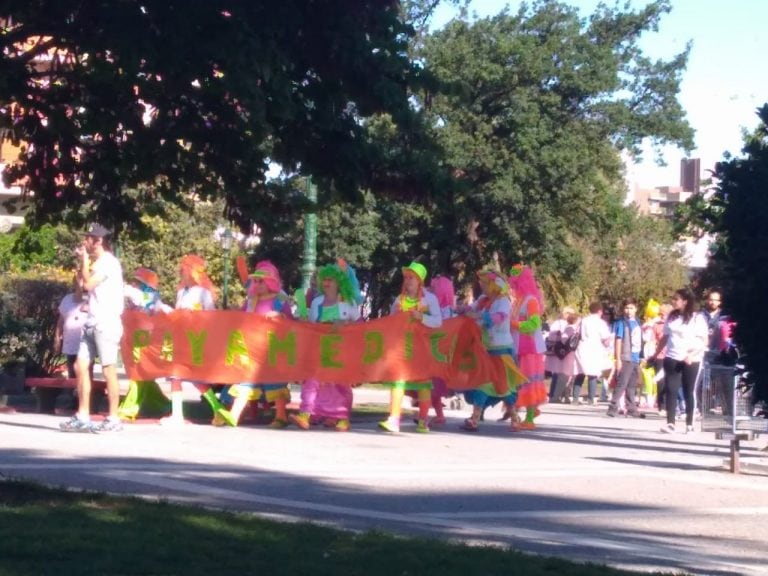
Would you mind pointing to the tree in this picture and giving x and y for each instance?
(738, 213)
(175, 97)
(533, 111)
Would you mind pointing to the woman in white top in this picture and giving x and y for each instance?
(592, 354)
(685, 336)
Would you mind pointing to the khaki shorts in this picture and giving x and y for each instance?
(102, 343)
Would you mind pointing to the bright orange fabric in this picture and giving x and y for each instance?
(232, 347)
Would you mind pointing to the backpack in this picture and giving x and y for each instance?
(561, 348)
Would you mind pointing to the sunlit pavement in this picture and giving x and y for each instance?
(583, 486)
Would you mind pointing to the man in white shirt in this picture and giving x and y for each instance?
(102, 279)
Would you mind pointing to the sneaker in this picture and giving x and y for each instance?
(594, 401)
(580, 401)
(218, 420)
(667, 429)
(611, 413)
(421, 427)
(74, 424)
(390, 425)
(342, 425)
(107, 425)
(469, 425)
(226, 416)
(278, 424)
(301, 420)
(689, 429)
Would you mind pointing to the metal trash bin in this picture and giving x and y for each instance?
(728, 409)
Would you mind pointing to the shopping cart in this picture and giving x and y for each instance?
(728, 408)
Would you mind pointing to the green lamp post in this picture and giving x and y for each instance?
(309, 258)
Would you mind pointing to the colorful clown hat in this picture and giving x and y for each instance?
(268, 272)
(418, 269)
(147, 277)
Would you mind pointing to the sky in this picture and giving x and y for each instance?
(723, 85)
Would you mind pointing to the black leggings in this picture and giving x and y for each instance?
(676, 374)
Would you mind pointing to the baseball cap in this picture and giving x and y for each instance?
(97, 230)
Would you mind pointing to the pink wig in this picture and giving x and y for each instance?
(269, 273)
(442, 287)
(523, 282)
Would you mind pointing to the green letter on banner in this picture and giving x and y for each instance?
(286, 346)
(236, 349)
(197, 341)
(374, 347)
(434, 340)
(166, 352)
(140, 341)
(409, 345)
(329, 349)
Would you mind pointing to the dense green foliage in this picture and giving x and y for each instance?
(486, 142)
(29, 303)
(536, 106)
(737, 213)
(231, 87)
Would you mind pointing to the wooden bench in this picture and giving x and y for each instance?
(48, 389)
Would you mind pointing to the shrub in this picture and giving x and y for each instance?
(29, 312)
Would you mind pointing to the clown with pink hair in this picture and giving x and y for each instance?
(442, 288)
(529, 342)
(266, 298)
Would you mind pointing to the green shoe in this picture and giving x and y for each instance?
(421, 427)
(342, 425)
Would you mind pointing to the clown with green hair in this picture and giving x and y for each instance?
(338, 302)
(422, 306)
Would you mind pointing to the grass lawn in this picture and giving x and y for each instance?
(52, 531)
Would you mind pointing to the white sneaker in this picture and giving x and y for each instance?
(689, 429)
(667, 429)
(74, 424)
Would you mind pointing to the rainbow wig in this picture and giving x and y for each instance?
(495, 280)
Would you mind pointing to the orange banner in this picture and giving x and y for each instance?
(233, 347)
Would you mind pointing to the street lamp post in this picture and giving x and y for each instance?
(310, 237)
(226, 244)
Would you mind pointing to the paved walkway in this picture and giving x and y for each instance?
(583, 486)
